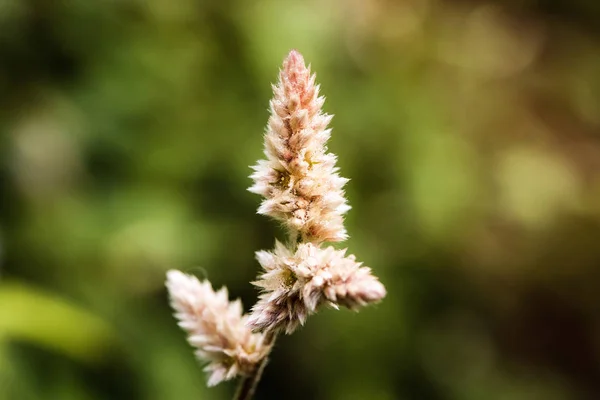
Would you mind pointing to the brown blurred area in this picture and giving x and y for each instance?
(470, 131)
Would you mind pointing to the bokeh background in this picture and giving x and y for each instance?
(471, 134)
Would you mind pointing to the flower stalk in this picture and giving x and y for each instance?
(248, 383)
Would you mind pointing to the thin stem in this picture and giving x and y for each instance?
(248, 384)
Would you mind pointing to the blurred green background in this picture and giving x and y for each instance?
(470, 131)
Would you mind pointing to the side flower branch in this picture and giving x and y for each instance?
(215, 327)
(294, 285)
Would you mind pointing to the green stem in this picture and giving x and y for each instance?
(248, 384)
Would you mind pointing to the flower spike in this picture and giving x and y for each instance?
(215, 327)
(299, 179)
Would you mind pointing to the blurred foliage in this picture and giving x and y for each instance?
(471, 133)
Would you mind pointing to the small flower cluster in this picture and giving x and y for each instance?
(303, 190)
(295, 284)
(216, 327)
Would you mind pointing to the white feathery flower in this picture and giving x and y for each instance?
(299, 179)
(295, 284)
(215, 327)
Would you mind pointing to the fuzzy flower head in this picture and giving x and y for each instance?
(215, 327)
(295, 284)
(299, 179)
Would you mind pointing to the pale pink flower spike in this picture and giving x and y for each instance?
(295, 284)
(215, 327)
(299, 179)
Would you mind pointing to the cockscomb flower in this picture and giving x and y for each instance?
(302, 189)
(215, 327)
(299, 179)
(295, 284)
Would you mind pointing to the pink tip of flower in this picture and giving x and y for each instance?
(295, 69)
(295, 57)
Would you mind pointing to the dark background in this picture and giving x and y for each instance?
(470, 131)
